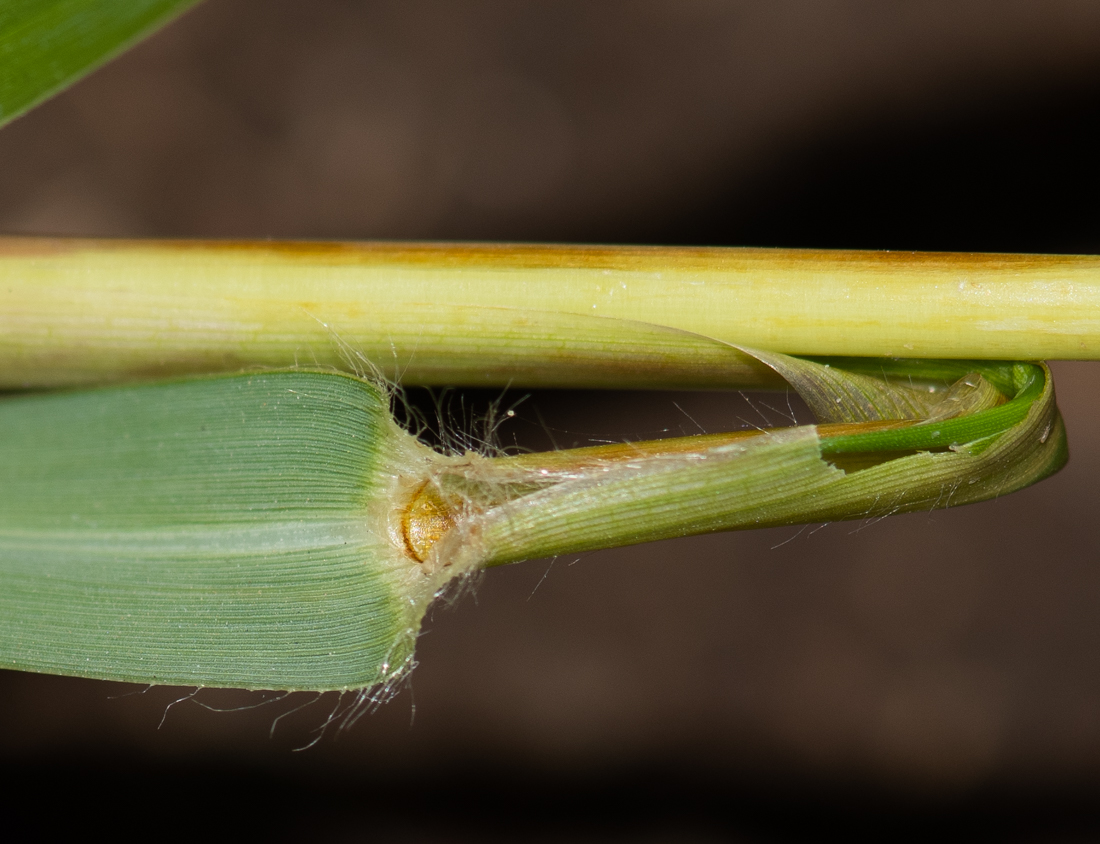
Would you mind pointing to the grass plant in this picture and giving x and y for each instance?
(220, 505)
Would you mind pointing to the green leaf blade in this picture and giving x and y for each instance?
(277, 530)
(46, 45)
(220, 532)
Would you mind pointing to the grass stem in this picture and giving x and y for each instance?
(91, 311)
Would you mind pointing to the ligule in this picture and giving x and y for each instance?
(279, 530)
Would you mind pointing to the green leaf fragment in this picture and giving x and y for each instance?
(795, 475)
(224, 531)
(46, 45)
(279, 530)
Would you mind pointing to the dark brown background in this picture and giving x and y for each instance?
(924, 674)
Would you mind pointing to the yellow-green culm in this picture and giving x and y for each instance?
(279, 530)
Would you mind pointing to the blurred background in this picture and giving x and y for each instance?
(926, 674)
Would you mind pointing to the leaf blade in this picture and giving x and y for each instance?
(207, 532)
(46, 45)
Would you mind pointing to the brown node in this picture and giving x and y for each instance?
(426, 518)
